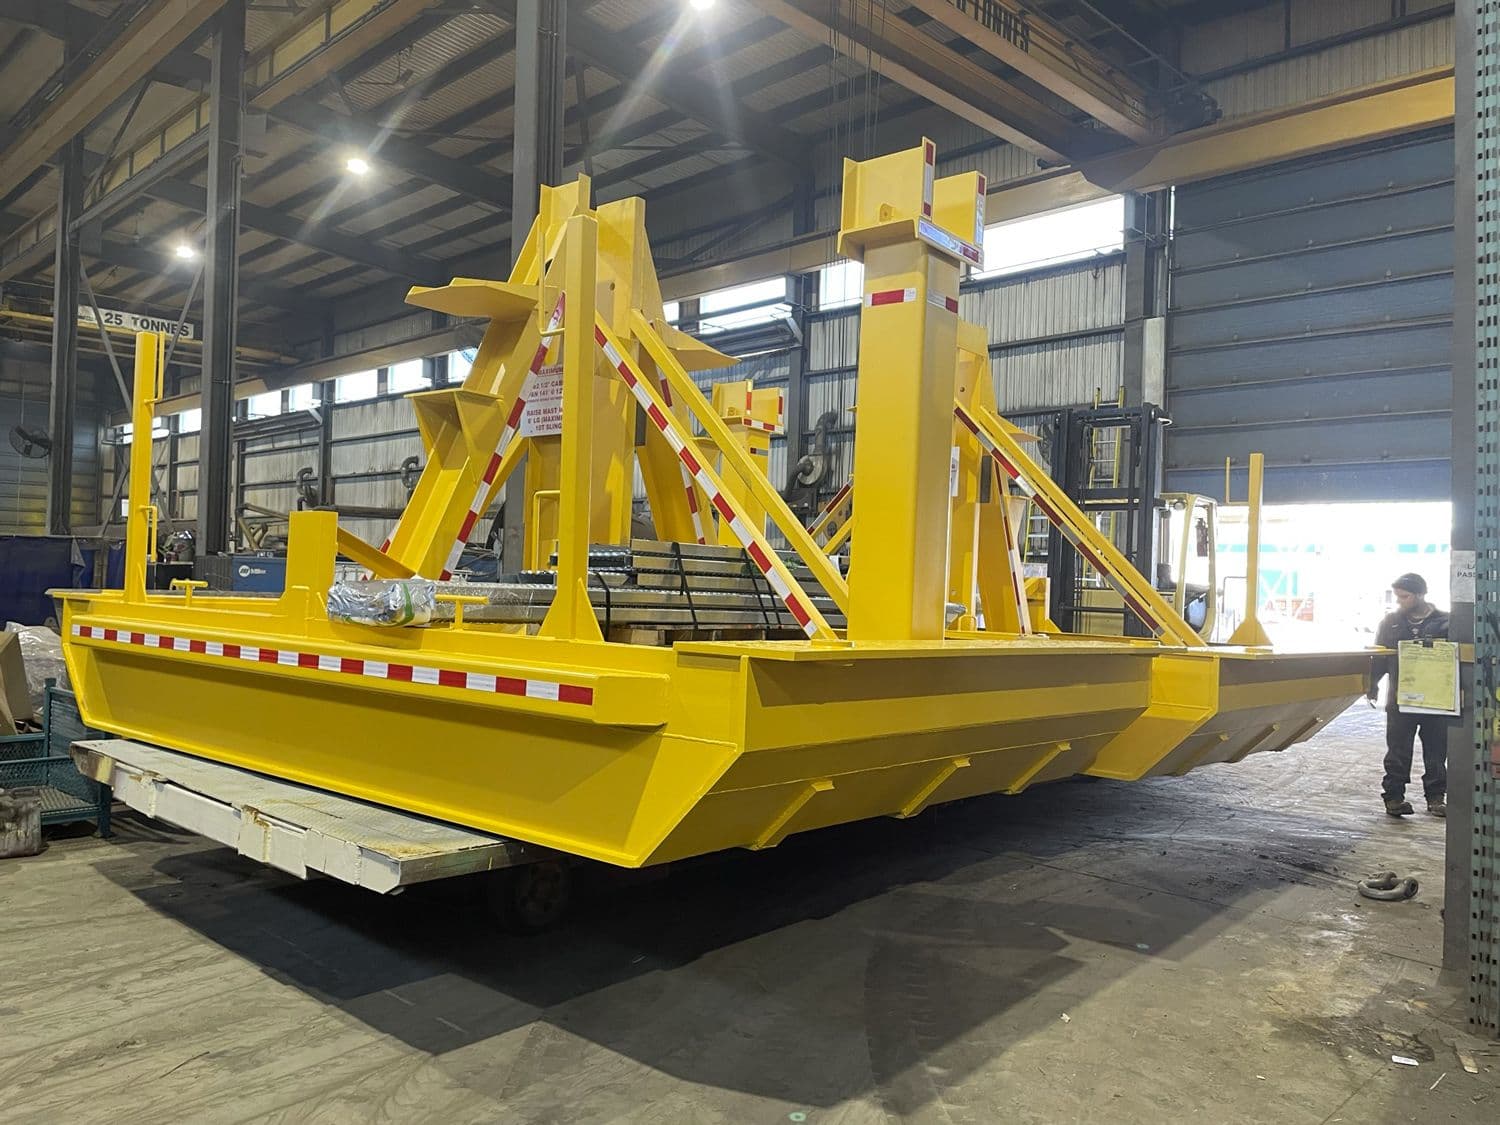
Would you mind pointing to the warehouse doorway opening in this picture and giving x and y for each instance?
(1326, 569)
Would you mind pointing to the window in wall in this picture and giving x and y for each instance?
(840, 284)
(353, 388)
(190, 421)
(742, 305)
(459, 363)
(304, 397)
(671, 310)
(158, 430)
(403, 378)
(1054, 237)
(267, 405)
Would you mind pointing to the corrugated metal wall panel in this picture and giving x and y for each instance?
(24, 397)
(1344, 67)
(833, 341)
(1311, 321)
(1062, 373)
(1064, 299)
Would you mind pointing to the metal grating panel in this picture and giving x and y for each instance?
(1484, 914)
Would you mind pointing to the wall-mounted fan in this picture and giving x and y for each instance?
(29, 443)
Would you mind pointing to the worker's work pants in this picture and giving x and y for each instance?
(1401, 731)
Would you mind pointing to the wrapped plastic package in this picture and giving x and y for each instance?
(389, 602)
(42, 654)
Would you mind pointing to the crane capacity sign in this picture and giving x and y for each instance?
(135, 322)
(542, 414)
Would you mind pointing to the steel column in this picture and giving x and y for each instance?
(540, 82)
(1474, 766)
(541, 78)
(1144, 364)
(63, 404)
(802, 293)
(221, 280)
(1458, 872)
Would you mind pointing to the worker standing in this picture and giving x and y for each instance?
(1415, 619)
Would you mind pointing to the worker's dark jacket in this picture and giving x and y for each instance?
(1397, 628)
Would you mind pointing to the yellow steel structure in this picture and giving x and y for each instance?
(638, 753)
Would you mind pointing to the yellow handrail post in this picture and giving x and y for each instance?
(140, 520)
(1250, 632)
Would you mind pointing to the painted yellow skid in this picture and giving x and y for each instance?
(678, 751)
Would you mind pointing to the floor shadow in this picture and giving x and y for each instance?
(820, 971)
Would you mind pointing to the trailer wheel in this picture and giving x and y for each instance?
(532, 897)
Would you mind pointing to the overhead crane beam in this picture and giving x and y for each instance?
(145, 42)
(1409, 104)
(1054, 59)
(277, 223)
(903, 54)
(675, 86)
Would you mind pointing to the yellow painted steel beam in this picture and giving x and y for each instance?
(369, 556)
(1409, 104)
(1140, 596)
(140, 519)
(761, 489)
(902, 53)
(571, 614)
(751, 538)
(1055, 59)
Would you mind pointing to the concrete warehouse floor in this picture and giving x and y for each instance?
(1178, 950)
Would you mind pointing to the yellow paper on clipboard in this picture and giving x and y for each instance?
(1427, 678)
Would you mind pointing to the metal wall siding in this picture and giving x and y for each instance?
(833, 341)
(24, 395)
(1372, 260)
(830, 391)
(1060, 373)
(1311, 321)
(375, 454)
(1070, 298)
(1345, 67)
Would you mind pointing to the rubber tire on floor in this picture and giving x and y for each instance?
(532, 897)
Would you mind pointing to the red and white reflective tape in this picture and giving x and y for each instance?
(757, 424)
(838, 498)
(507, 435)
(780, 408)
(979, 212)
(929, 172)
(759, 554)
(889, 297)
(553, 691)
(1056, 519)
(942, 302)
(687, 482)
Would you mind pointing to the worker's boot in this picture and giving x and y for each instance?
(1398, 806)
(1437, 806)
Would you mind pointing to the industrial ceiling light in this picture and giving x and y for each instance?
(700, 5)
(184, 251)
(358, 165)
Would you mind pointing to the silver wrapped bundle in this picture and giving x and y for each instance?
(387, 602)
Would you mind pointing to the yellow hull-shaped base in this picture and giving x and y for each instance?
(678, 751)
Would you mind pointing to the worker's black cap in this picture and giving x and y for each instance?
(1414, 583)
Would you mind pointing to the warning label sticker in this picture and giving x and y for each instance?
(542, 416)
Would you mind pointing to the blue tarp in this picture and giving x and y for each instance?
(30, 565)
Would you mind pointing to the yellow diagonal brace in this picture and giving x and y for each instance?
(1140, 596)
(786, 522)
(831, 508)
(787, 588)
(379, 564)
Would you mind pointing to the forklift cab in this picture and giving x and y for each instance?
(1187, 537)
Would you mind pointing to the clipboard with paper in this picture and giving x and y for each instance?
(1427, 678)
